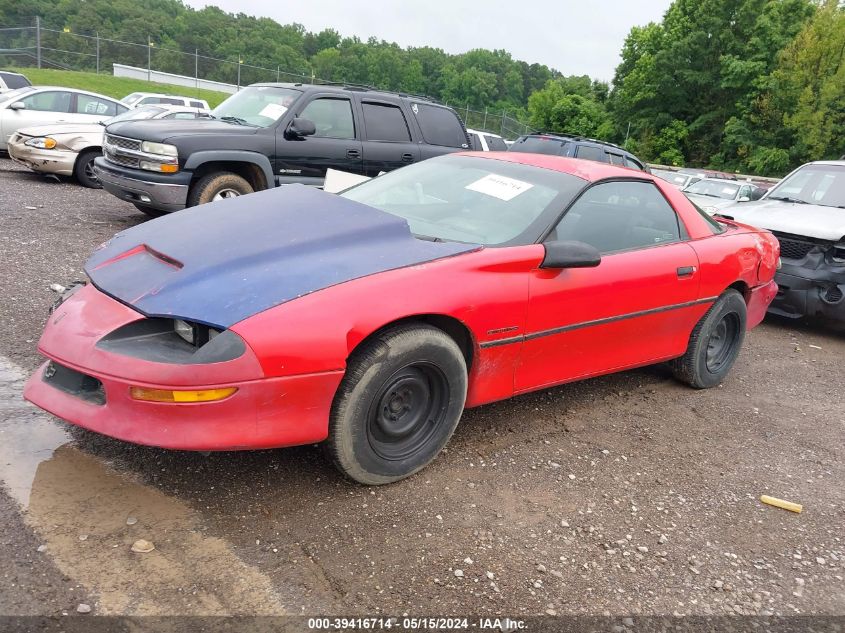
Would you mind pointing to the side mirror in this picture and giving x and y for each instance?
(743, 199)
(300, 128)
(17, 105)
(565, 254)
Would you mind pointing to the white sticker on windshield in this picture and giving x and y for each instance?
(273, 111)
(729, 191)
(500, 187)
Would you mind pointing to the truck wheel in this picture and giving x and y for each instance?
(714, 343)
(398, 404)
(83, 170)
(153, 213)
(218, 186)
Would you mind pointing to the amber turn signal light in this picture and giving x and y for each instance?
(167, 395)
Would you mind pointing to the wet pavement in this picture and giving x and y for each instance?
(629, 494)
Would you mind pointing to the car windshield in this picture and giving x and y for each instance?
(714, 189)
(259, 106)
(144, 112)
(538, 145)
(471, 199)
(14, 80)
(813, 184)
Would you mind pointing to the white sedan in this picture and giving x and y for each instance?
(41, 105)
(69, 149)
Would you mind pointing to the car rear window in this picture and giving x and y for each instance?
(197, 104)
(495, 143)
(14, 81)
(439, 125)
(539, 145)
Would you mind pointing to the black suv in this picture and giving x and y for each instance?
(268, 135)
(577, 147)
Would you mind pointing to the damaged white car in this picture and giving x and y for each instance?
(69, 149)
(806, 212)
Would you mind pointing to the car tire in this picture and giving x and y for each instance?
(83, 169)
(153, 213)
(714, 344)
(398, 404)
(218, 186)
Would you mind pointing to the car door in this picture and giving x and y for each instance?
(43, 107)
(335, 145)
(387, 141)
(637, 306)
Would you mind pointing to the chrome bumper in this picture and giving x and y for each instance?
(164, 196)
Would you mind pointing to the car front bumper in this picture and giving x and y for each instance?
(262, 413)
(799, 296)
(43, 161)
(162, 192)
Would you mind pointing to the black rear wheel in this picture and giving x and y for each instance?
(714, 344)
(398, 404)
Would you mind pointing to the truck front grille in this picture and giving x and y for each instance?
(123, 142)
(794, 249)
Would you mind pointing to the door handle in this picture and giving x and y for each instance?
(408, 158)
(353, 153)
(686, 271)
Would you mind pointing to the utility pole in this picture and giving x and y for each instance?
(625, 144)
(38, 39)
(277, 74)
(97, 33)
(502, 129)
(484, 127)
(197, 68)
(240, 61)
(149, 58)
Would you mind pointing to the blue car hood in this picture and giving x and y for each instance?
(222, 262)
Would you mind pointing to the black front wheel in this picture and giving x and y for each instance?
(83, 170)
(714, 343)
(398, 404)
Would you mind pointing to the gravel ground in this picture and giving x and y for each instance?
(628, 494)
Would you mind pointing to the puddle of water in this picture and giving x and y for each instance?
(68, 494)
(27, 436)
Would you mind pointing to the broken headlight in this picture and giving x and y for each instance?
(196, 334)
(174, 341)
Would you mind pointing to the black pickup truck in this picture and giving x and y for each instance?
(272, 134)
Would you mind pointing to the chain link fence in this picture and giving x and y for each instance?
(37, 46)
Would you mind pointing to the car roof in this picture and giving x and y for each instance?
(578, 139)
(724, 180)
(585, 169)
(344, 87)
(826, 162)
(162, 94)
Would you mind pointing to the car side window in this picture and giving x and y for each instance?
(590, 152)
(439, 125)
(474, 142)
(52, 101)
(180, 115)
(619, 216)
(197, 104)
(616, 159)
(332, 117)
(385, 123)
(87, 104)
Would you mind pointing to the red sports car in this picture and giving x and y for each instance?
(372, 318)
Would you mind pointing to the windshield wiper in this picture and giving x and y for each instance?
(236, 119)
(427, 238)
(788, 199)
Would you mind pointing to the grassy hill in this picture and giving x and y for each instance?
(116, 87)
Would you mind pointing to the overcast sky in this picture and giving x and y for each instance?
(577, 38)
